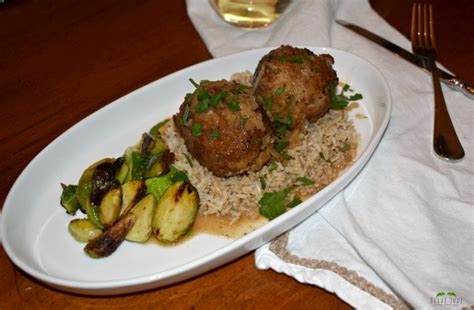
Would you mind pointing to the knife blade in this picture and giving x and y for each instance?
(448, 79)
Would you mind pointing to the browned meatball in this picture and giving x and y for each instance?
(224, 128)
(293, 84)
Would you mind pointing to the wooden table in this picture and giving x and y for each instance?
(62, 60)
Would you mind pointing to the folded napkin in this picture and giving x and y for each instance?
(401, 234)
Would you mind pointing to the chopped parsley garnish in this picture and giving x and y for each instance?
(340, 101)
(345, 147)
(177, 175)
(304, 181)
(185, 117)
(281, 145)
(216, 99)
(355, 97)
(280, 129)
(215, 134)
(280, 90)
(188, 159)
(297, 59)
(196, 130)
(316, 70)
(288, 120)
(268, 103)
(202, 106)
(233, 104)
(272, 204)
(286, 156)
(273, 165)
(263, 183)
(296, 201)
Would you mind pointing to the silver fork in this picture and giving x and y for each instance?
(445, 141)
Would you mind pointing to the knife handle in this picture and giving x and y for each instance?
(462, 86)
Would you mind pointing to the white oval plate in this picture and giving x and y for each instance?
(34, 226)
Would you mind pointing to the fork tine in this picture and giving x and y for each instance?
(413, 24)
(426, 34)
(432, 32)
(418, 28)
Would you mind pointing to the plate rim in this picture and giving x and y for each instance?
(153, 280)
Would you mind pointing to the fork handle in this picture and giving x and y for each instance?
(445, 141)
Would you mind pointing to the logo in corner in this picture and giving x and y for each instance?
(448, 298)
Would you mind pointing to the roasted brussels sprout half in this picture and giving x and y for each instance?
(132, 192)
(158, 185)
(175, 212)
(143, 215)
(107, 242)
(83, 230)
(68, 199)
(110, 206)
(84, 187)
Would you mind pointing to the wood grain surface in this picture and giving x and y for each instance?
(62, 60)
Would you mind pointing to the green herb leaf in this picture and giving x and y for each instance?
(190, 162)
(286, 156)
(298, 59)
(194, 83)
(263, 183)
(185, 117)
(356, 97)
(280, 90)
(304, 181)
(280, 129)
(177, 175)
(316, 70)
(268, 103)
(281, 145)
(68, 198)
(215, 134)
(296, 201)
(154, 130)
(345, 147)
(233, 104)
(288, 120)
(345, 87)
(272, 204)
(216, 99)
(202, 106)
(196, 130)
(273, 165)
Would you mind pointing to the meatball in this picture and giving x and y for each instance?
(224, 128)
(294, 84)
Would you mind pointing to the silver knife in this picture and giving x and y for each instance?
(450, 80)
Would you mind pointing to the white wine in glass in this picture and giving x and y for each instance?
(250, 13)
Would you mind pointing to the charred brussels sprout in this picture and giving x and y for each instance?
(132, 192)
(107, 242)
(143, 215)
(83, 230)
(84, 188)
(68, 198)
(110, 206)
(175, 212)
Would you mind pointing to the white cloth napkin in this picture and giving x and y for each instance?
(402, 231)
